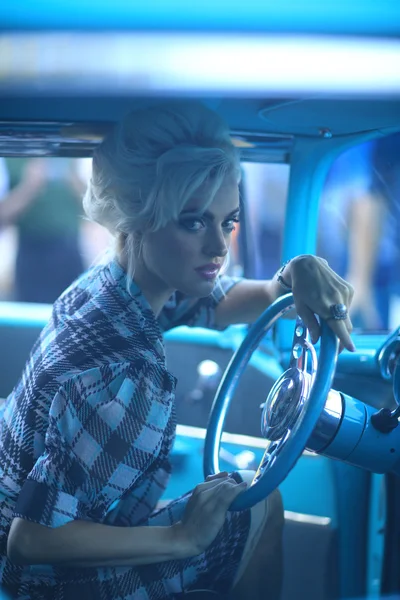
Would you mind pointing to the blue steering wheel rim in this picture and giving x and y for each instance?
(297, 442)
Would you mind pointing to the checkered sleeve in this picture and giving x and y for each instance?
(106, 427)
(182, 310)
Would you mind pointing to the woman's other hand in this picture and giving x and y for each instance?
(316, 289)
(206, 512)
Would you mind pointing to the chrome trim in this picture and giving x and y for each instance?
(328, 423)
(284, 403)
(286, 399)
(308, 519)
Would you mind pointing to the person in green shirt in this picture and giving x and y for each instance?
(44, 204)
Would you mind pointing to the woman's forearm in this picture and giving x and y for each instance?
(246, 301)
(87, 544)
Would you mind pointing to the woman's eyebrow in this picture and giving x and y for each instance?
(207, 214)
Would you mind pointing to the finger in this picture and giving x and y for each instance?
(342, 330)
(350, 291)
(222, 495)
(218, 499)
(234, 490)
(207, 485)
(230, 487)
(310, 321)
(349, 327)
(217, 476)
(225, 486)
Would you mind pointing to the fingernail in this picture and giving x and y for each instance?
(352, 347)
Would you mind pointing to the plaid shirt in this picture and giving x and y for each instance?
(86, 434)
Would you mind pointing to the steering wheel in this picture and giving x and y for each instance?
(292, 408)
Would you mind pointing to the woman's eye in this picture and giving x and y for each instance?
(230, 225)
(192, 224)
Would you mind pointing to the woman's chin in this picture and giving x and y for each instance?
(199, 289)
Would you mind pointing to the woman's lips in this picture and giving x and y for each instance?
(208, 271)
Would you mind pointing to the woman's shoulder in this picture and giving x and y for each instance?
(93, 326)
(95, 298)
(103, 292)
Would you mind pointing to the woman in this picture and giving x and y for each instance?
(86, 433)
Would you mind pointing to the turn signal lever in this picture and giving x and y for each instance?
(354, 432)
(346, 431)
(385, 420)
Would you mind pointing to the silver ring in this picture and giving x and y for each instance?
(339, 312)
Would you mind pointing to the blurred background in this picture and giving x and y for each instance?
(45, 241)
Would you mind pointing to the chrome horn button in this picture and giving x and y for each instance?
(284, 403)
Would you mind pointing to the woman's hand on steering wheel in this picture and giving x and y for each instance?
(317, 290)
(205, 512)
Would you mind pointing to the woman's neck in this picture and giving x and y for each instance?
(152, 288)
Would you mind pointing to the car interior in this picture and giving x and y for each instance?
(340, 486)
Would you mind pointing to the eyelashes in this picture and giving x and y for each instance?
(232, 226)
(196, 225)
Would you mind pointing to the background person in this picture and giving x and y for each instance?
(44, 206)
(352, 222)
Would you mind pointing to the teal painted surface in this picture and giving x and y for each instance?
(376, 537)
(330, 16)
(310, 488)
(359, 443)
(376, 451)
(351, 497)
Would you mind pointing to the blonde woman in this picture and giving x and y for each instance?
(87, 431)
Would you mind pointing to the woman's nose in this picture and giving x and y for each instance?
(216, 244)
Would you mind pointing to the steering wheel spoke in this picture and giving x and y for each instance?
(302, 349)
(270, 455)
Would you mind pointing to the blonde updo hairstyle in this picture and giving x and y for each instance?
(151, 164)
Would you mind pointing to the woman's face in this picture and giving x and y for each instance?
(187, 254)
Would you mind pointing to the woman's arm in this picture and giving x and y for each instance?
(315, 289)
(245, 302)
(87, 544)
